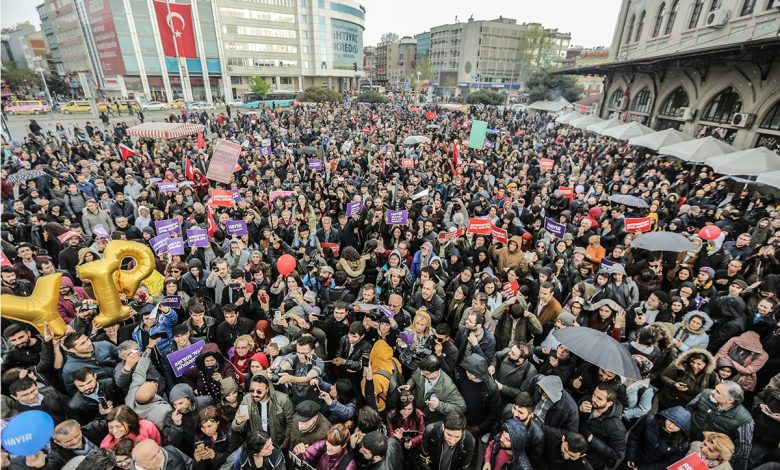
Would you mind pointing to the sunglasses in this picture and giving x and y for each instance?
(407, 398)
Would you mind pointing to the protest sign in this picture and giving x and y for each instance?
(183, 359)
(198, 237)
(510, 288)
(332, 246)
(423, 193)
(236, 195)
(479, 226)
(567, 191)
(222, 198)
(167, 186)
(175, 246)
(100, 232)
(554, 228)
(451, 235)
(236, 227)
(223, 161)
(278, 193)
(639, 224)
(354, 208)
(546, 164)
(393, 217)
(477, 135)
(167, 226)
(315, 164)
(499, 234)
(160, 243)
(172, 301)
(691, 462)
(407, 163)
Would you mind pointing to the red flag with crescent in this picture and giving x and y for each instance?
(211, 225)
(177, 33)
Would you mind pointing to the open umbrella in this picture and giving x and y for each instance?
(771, 178)
(309, 150)
(599, 349)
(659, 139)
(663, 241)
(697, 150)
(628, 200)
(416, 139)
(22, 176)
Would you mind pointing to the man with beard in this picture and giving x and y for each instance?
(100, 356)
(68, 258)
(601, 424)
(19, 287)
(447, 444)
(182, 420)
(94, 399)
(473, 338)
(567, 453)
(25, 348)
(511, 369)
(319, 278)
(269, 411)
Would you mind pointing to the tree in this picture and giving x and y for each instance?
(543, 85)
(19, 78)
(259, 86)
(536, 51)
(58, 86)
(486, 97)
(319, 95)
(389, 37)
(372, 97)
(424, 69)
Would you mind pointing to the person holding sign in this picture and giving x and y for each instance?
(509, 256)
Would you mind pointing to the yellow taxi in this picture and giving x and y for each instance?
(124, 105)
(81, 106)
(177, 103)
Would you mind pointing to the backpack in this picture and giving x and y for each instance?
(395, 379)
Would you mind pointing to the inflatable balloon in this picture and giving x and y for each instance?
(430, 115)
(285, 265)
(28, 432)
(709, 233)
(108, 280)
(37, 309)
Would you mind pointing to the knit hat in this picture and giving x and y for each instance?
(567, 318)
(706, 269)
(662, 296)
(227, 386)
(740, 283)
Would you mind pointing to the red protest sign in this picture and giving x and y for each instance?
(691, 462)
(499, 234)
(449, 236)
(479, 226)
(510, 288)
(568, 191)
(222, 198)
(639, 225)
(332, 246)
(407, 163)
(546, 164)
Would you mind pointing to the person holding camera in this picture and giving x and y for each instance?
(73, 300)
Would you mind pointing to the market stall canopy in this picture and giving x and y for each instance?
(697, 150)
(568, 117)
(585, 121)
(550, 106)
(164, 130)
(627, 131)
(659, 139)
(602, 126)
(750, 162)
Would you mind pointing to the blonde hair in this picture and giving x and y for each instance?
(421, 315)
(249, 340)
(722, 444)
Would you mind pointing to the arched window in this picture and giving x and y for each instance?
(640, 24)
(642, 101)
(659, 18)
(771, 119)
(747, 7)
(630, 28)
(674, 102)
(672, 16)
(696, 14)
(614, 100)
(723, 106)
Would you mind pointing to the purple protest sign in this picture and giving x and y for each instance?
(175, 246)
(354, 208)
(167, 226)
(554, 228)
(236, 195)
(172, 301)
(167, 186)
(198, 237)
(383, 148)
(155, 180)
(160, 243)
(100, 232)
(265, 150)
(396, 217)
(236, 227)
(315, 164)
(183, 359)
(185, 183)
(605, 263)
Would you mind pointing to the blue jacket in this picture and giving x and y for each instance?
(165, 323)
(417, 265)
(103, 360)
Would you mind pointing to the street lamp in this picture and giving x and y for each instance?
(39, 69)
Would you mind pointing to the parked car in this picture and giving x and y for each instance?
(199, 106)
(81, 106)
(124, 105)
(237, 103)
(27, 107)
(177, 103)
(154, 106)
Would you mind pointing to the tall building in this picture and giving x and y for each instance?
(423, 45)
(199, 49)
(495, 54)
(578, 56)
(13, 45)
(705, 68)
(369, 62)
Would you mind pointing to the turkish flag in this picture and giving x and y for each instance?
(211, 225)
(176, 30)
(126, 151)
(201, 141)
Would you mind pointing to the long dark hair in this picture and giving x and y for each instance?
(395, 416)
(675, 438)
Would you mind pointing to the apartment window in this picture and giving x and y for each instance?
(715, 5)
(614, 100)
(696, 14)
(672, 16)
(771, 119)
(747, 7)
(630, 28)
(639, 26)
(674, 102)
(642, 102)
(659, 18)
(321, 3)
(285, 80)
(723, 106)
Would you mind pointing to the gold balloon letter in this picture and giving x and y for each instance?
(108, 280)
(39, 308)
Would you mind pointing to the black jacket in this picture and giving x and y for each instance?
(225, 334)
(433, 441)
(84, 409)
(58, 456)
(53, 404)
(609, 437)
(435, 307)
(355, 360)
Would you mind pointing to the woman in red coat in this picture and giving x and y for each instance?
(124, 423)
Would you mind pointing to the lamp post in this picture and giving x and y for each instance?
(39, 69)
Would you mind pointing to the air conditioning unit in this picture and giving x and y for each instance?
(743, 120)
(687, 113)
(718, 18)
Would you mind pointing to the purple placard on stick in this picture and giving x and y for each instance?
(265, 150)
(315, 164)
(183, 359)
(236, 227)
(554, 228)
(185, 183)
(172, 301)
(605, 263)
(393, 217)
(175, 246)
(354, 208)
(167, 226)
(167, 186)
(100, 232)
(198, 237)
(155, 180)
(160, 243)
(236, 194)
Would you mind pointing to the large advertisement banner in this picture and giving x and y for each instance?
(347, 44)
(101, 21)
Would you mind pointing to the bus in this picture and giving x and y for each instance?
(282, 99)
(376, 88)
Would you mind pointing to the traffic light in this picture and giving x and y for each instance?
(354, 66)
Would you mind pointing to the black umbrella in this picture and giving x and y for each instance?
(663, 241)
(309, 150)
(22, 176)
(599, 349)
(628, 200)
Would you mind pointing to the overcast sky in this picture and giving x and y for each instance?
(591, 23)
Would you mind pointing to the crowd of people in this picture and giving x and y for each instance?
(418, 345)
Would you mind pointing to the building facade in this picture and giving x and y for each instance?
(14, 47)
(702, 67)
(201, 49)
(496, 54)
(369, 63)
(423, 45)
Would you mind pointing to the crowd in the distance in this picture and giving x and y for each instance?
(415, 345)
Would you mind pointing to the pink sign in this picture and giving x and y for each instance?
(223, 161)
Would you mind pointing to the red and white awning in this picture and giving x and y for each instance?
(164, 130)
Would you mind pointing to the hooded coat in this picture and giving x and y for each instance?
(563, 416)
(183, 436)
(280, 415)
(652, 448)
(381, 359)
(733, 321)
(518, 435)
(488, 407)
(748, 356)
(693, 339)
(65, 306)
(509, 259)
(680, 371)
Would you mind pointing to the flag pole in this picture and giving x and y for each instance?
(176, 51)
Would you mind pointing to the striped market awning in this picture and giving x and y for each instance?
(164, 130)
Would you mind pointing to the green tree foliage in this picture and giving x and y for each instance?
(319, 95)
(57, 85)
(19, 78)
(546, 86)
(259, 86)
(372, 97)
(423, 67)
(486, 97)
